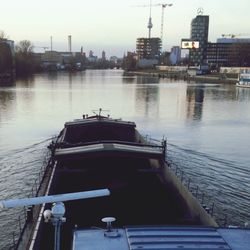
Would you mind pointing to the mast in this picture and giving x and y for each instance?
(150, 25)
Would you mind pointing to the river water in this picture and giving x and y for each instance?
(207, 127)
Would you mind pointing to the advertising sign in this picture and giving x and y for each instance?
(189, 44)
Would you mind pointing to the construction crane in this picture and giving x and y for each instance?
(163, 6)
(235, 35)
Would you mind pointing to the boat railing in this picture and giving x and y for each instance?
(27, 214)
(156, 142)
(148, 144)
(204, 199)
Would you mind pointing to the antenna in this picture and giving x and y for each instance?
(100, 110)
(53, 198)
(150, 25)
(69, 43)
(55, 215)
(163, 6)
(51, 43)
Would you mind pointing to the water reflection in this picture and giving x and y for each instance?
(195, 98)
(7, 104)
(147, 80)
(25, 81)
(243, 94)
(9, 82)
(221, 92)
(129, 79)
(147, 100)
(52, 76)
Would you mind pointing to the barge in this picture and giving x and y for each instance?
(147, 203)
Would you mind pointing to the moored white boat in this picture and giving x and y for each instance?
(244, 79)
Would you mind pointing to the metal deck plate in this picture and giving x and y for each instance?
(186, 238)
(175, 238)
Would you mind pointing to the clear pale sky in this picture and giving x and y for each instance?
(114, 25)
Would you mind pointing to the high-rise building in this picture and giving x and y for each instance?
(199, 32)
(103, 56)
(148, 48)
(175, 55)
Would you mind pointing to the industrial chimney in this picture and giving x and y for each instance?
(69, 42)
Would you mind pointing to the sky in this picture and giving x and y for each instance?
(114, 25)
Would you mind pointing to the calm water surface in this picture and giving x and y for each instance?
(207, 127)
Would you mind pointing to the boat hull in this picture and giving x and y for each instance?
(144, 190)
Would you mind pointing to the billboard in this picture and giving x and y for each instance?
(189, 44)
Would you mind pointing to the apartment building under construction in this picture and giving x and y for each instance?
(148, 48)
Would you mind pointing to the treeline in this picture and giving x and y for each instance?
(24, 58)
(19, 60)
(6, 59)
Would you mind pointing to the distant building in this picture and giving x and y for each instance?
(129, 61)
(92, 58)
(103, 56)
(229, 52)
(148, 48)
(91, 53)
(148, 51)
(218, 54)
(51, 58)
(113, 59)
(175, 55)
(233, 40)
(199, 32)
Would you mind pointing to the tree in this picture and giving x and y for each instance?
(3, 36)
(24, 47)
(25, 61)
(129, 61)
(6, 61)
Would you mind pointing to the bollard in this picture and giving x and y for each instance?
(29, 214)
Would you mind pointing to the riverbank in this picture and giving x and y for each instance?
(183, 75)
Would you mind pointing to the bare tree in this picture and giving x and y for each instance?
(3, 36)
(25, 62)
(24, 47)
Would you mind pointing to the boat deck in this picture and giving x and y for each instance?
(132, 238)
(138, 195)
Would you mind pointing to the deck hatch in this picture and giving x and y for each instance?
(175, 238)
(151, 152)
(141, 149)
(76, 150)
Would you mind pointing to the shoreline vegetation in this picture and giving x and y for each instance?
(181, 75)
